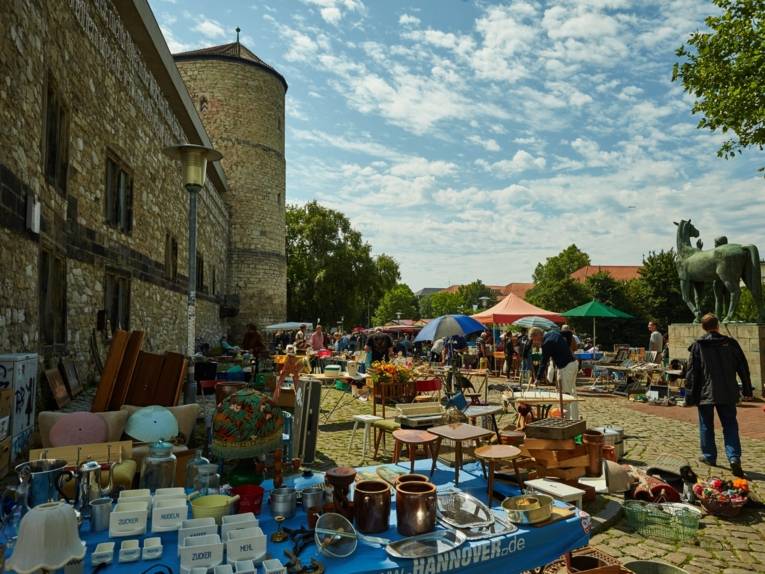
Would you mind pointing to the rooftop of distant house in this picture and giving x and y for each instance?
(618, 272)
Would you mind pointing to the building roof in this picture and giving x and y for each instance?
(425, 291)
(234, 51)
(518, 289)
(618, 272)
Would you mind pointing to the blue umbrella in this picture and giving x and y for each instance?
(449, 325)
(533, 321)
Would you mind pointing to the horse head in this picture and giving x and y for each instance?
(685, 230)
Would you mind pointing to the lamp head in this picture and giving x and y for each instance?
(194, 160)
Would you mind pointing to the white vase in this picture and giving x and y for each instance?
(48, 539)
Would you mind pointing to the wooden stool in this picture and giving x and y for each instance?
(413, 439)
(498, 453)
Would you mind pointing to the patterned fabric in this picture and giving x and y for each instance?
(246, 424)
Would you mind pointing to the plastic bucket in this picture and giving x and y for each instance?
(250, 498)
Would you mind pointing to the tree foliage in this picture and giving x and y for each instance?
(399, 299)
(441, 303)
(331, 273)
(553, 287)
(659, 292)
(724, 69)
(471, 293)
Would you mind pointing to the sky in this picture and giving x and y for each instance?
(473, 139)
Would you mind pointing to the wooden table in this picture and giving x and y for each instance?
(458, 432)
(413, 438)
(496, 453)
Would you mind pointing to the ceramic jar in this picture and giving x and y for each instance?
(415, 507)
(371, 506)
(411, 478)
(593, 442)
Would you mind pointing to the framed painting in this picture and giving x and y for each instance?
(71, 377)
(57, 386)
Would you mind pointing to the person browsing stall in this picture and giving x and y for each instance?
(556, 347)
(379, 345)
(317, 338)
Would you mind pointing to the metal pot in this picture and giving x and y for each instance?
(615, 437)
(528, 508)
(312, 496)
(42, 480)
(283, 502)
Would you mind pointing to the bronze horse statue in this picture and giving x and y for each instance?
(725, 267)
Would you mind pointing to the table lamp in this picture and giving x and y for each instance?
(48, 539)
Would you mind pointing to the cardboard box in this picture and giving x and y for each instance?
(567, 473)
(561, 458)
(5, 457)
(548, 444)
(576, 461)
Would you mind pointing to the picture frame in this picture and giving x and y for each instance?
(71, 377)
(57, 387)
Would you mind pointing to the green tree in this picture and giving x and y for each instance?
(554, 289)
(400, 299)
(603, 287)
(724, 70)
(441, 303)
(331, 273)
(471, 294)
(659, 290)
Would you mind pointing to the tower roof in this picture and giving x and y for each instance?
(234, 51)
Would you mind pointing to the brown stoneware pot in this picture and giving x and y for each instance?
(371, 505)
(411, 478)
(593, 441)
(415, 508)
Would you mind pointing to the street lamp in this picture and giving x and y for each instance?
(193, 160)
(398, 317)
(484, 301)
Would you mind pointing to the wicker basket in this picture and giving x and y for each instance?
(725, 509)
(667, 521)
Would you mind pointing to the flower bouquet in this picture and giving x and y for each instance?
(722, 497)
(389, 373)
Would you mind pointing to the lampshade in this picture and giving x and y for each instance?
(48, 539)
(194, 160)
(78, 428)
(151, 424)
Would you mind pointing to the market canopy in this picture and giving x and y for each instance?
(512, 308)
(289, 326)
(596, 309)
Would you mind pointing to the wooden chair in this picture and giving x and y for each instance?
(385, 395)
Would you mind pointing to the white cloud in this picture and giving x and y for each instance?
(210, 28)
(489, 144)
(591, 152)
(408, 20)
(332, 11)
(520, 162)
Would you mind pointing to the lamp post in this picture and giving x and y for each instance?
(193, 160)
(484, 301)
(398, 317)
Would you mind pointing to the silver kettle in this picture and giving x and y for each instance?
(90, 486)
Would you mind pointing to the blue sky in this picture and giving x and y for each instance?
(472, 139)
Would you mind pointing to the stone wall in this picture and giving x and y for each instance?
(750, 336)
(42, 38)
(242, 107)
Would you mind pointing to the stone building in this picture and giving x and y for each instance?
(93, 216)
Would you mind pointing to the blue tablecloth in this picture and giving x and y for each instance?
(524, 549)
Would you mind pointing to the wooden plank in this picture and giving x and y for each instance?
(120, 450)
(567, 473)
(554, 456)
(576, 461)
(71, 376)
(57, 387)
(109, 374)
(125, 374)
(145, 377)
(547, 444)
(171, 379)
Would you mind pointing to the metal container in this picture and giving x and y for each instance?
(312, 496)
(615, 437)
(42, 480)
(283, 502)
(528, 509)
(653, 567)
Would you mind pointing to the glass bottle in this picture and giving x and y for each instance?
(207, 480)
(192, 468)
(158, 468)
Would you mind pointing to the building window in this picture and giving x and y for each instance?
(52, 298)
(55, 137)
(171, 257)
(117, 300)
(118, 193)
(200, 273)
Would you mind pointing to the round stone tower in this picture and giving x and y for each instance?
(240, 99)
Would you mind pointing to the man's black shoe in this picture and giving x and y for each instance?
(735, 468)
(705, 460)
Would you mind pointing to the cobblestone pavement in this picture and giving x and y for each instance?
(721, 546)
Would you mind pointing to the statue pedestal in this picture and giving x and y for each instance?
(751, 337)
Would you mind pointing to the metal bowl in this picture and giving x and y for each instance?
(528, 509)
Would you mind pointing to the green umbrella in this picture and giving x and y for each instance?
(596, 309)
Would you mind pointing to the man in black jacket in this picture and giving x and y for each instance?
(711, 384)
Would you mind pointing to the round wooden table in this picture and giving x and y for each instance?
(495, 453)
(413, 438)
